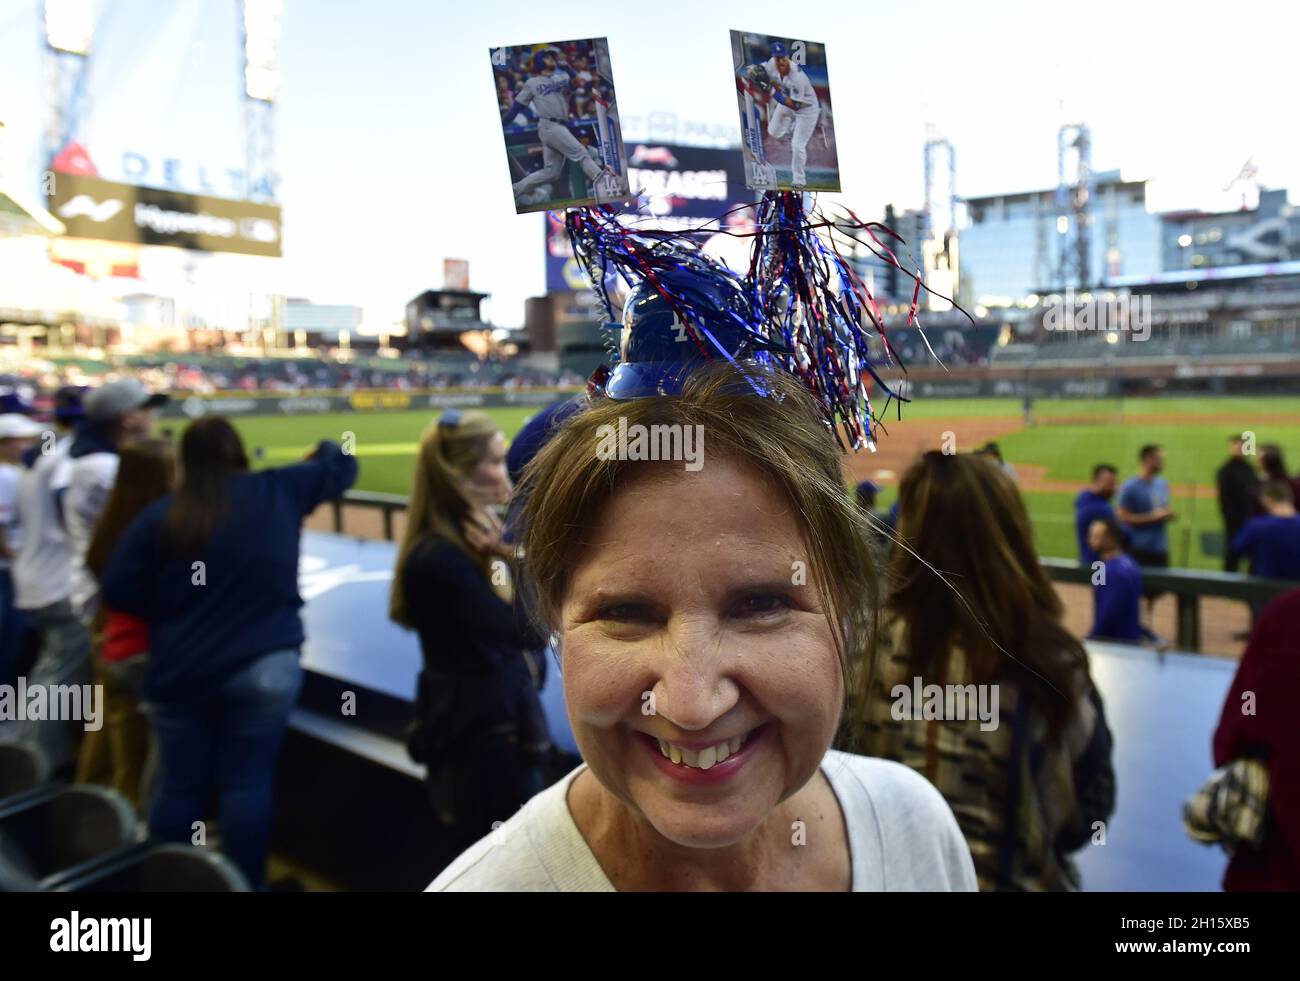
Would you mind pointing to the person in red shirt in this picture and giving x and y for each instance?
(116, 754)
(1258, 721)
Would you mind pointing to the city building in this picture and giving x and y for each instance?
(1011, 246)
(1197, 240)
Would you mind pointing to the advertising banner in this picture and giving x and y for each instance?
(680, 187)
(99, 209)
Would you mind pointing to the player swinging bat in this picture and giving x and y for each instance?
(797, 109)
(545, 96)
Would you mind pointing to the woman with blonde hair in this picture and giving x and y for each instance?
(479, 726)
(1018, 742)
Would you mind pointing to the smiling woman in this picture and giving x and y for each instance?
(708, 619)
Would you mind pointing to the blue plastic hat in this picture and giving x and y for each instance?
(659, 348)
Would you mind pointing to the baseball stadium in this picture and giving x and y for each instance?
(310, 579)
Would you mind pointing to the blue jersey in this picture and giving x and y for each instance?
(1273, 545)
(1089, 507)
(1142, 497)
(1116, 602)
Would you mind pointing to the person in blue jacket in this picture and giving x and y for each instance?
(1272, 540)
(213, 570)
(1093, 503)
(1117, 586)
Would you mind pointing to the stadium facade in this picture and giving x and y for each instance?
(1011, 246)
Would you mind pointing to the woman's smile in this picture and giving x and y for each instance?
(698, 763)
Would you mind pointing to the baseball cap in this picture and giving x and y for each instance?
(779, 50)
(110, 401)
(67, 403)
(12, 402)
(16, 426)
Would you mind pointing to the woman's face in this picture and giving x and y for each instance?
(690, 623)
(487, 482)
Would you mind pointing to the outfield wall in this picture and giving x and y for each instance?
(367, 400)
(1182, 378)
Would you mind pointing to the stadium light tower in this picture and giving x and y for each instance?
(1074, 205)
(940, 161)
(68, 28)
(261, 24)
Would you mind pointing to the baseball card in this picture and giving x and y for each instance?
(560, 121)
(783, 92)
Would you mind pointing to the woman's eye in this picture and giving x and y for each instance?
(761, 604)
(625, 612)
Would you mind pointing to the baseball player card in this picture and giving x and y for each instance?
(787, 132)
(560, 121)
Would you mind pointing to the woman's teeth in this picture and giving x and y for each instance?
(704, 758)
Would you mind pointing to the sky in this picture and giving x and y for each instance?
(390, 149)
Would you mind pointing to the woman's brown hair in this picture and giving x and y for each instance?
(450, 447)
(146, 471)
(965, 571)
(212, 454)
(780, 436)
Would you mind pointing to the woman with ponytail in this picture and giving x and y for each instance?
(480, 729)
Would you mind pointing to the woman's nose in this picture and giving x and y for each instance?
(695, 684)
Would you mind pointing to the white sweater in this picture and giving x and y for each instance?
(902, 837)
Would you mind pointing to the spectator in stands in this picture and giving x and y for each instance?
(865, 494)
(1272, 541)
(505, 93)
(1259, 720)
(115, 754)
(1116, 586)
(704, 682)
(972, 606)
(879, 525)
(1093, 504)
(537, 430)
(994, 453)
(1273, 464)
(69, 412)
(42, 575)
(1144, 509)
(17, 433)
(117, 412)
(480, 729)
(1238, 497)
(213, 570)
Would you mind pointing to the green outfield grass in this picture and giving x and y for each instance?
(385, 441)
(386, 444)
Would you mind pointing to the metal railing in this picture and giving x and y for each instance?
(386, 504)
(1189, 586)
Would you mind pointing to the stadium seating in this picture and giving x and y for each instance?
(1081, 348)
(149, 867)
(22, 768)
(52, 830)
